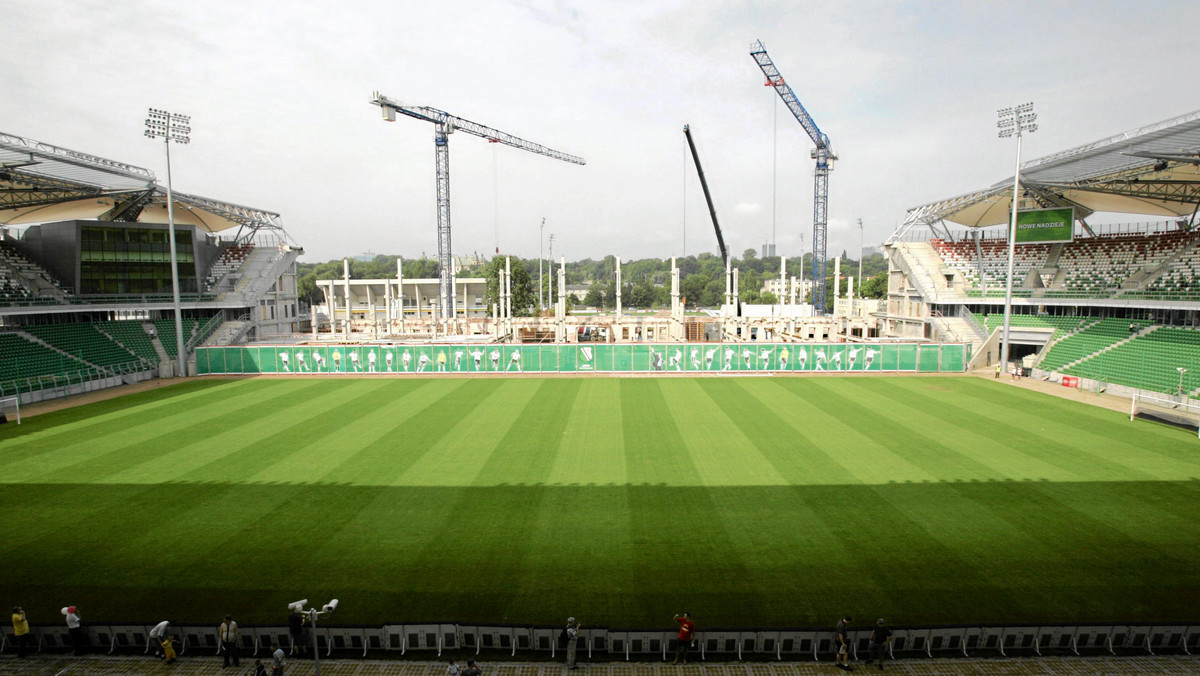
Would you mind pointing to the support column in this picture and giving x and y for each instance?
(837, 279)
(618, 289)
(372, 314)
(400, 290)
(561, 330)
(346, 280)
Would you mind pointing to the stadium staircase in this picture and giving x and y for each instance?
(261, 268)
(227, 265)
(925, 270)
(230, 333)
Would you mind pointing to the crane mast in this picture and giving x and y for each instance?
(824, 156)
(687, 131)
(444, 124)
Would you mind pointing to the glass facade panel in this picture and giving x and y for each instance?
(117, 260)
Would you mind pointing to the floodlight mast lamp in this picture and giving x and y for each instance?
(1016, 121)
(312, 615)
(171, 127)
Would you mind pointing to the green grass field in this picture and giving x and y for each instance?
(747, 501)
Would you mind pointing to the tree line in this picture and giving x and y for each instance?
(646, 283)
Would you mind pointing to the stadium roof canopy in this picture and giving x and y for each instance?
(42, 183)
(1154, 170)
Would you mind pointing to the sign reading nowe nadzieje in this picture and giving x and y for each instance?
(1045, 225)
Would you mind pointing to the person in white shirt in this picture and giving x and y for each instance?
(278, 664)
(157, 634)
(75, 628)
(228, 633)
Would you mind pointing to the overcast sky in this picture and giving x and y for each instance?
(278, 93)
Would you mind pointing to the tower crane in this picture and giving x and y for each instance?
(824, 156)
(445, 124)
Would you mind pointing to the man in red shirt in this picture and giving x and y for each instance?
(687, 630)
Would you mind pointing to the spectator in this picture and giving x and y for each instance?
(841, 642)
(168, 646)
(278, 663)
(687, 630)
(572, 633)
(259, 669)
(228, 633)
(20, 630)
(296, 629)
(75, 628)
(157, 635)
(880, 636)
(472, 669)
(452, 668)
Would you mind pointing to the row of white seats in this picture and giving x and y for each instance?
(816, 644)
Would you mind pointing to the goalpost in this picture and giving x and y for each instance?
(1176, 410)
(10, 409)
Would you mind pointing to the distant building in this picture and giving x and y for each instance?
(579, 291)
(768, 250)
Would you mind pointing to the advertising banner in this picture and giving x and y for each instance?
(744, 358)
(1045, 225)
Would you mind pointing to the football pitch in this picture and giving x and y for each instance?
(748, 502)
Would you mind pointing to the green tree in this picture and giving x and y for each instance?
(524, 289)
(642, 295)
(876, 287)
(768, 298)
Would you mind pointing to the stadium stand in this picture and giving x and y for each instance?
(25, 360)
(1148, 361)
(1167, 263)
(166, 333)
(85, 342)
(131, 334)
(20, 271)
(1090, 340)
(230, 260)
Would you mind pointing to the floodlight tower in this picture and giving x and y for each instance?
(1013, 121)
(445, 124)
(824, 156)
(171, 127)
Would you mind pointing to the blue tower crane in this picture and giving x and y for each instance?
(824, 156)
(444, 124)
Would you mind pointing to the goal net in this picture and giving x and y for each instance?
(10, 409)
(1171, 410)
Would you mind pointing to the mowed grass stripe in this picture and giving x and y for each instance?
(69, 425)
(591, 450)
(779, 421)
(419, 414)
(1111, 450)
(460, 442)
(122, 450)
(1005, 450)
(922, 446)
(210, 444)
(655, 452)
(668, 536)
(858, 440)
(721, 453)
(487, 537)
